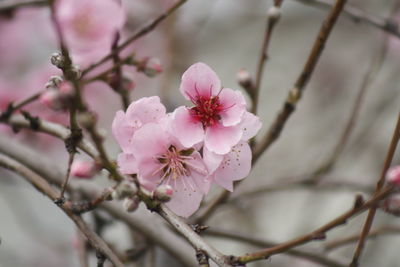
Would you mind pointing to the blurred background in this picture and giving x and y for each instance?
(227, 35)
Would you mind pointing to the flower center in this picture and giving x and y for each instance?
(173, 164)
(207, 110)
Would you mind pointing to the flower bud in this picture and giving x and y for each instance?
(54, 82)
(274, 13)
(124, 190)
(75, 71)
(51, 98)
(58, 60)
(244, 78)
(84, 169)
(393, 175)
(163, 193)
(391, 205)
(131, 204)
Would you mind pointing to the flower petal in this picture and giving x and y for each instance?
(127, 163)
(220, 139)
(199, 80)
(149, 141)
(146, 109)
(186, 198)
(185, 128)
(122, 131)
(236, 165)
(211, 159)
(250, 124)
(234, 106)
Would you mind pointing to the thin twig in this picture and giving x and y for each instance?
(379, 185)
(313, 257)
(302, 81)
(318, 234)
(141, 32)
(10, 6)
(272, 20)
(357, 15)
(43, 186)
(386, 230)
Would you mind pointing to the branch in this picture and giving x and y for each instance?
(10, 6)
(43, 186)
(379, 185)
(313, 257)
(317, 234)
(297, 91)
(357, 15)
(141, 32)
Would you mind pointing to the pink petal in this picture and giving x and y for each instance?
(199, 172)
(149, 173)
(235, 166)
(149, 141)
(250, 125)
(186, 198)
(186, 129)
(127, 163)
(211, 159)
(234, 106)
(122, 131)
(146, 109)
(220, 139)
(199, 80)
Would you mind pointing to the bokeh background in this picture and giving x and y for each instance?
(227, 35)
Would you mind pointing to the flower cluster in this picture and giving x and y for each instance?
(192, 147)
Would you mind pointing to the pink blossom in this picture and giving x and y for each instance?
(162, 160)
(84, 169)
(145, 110)
(90, 26)
(393, 175)
(216, 116)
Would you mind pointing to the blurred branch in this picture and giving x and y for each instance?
(357, 15)
(43, 186)
(273, 16)
(289, 105)
(369, 77)
(379, 185)
(297, 91)
(313, 257)
(10, 6)
(318, 234)
(139, 33)
(386, 230)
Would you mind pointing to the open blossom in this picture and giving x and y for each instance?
(162, 160)
(145, 110)
(216, 115)
(89, 26)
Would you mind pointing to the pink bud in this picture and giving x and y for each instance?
(51, 98)
(244, 78)
(393, 175)
(163, 193)
(84, 169)
(155, 64)
(131, 204)
(66, 89)
(391, 205)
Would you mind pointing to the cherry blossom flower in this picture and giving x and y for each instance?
(89, 26)
(84, 169)
(145, 110)
(235, 165)
(216, 116)
(162, 160)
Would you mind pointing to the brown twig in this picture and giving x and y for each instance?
(317, 234)
(312, 257)
(289, 105)
(369, 77)
(10, 6)
(386, 230)
(141, 32)
(357, 15)
(43, 186)
(305, 75)
(379, 185)
(272, 20)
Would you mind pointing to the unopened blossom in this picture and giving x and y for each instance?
(161, 160)
(393, 175)
(90, 26)
(139, 113)
(216, 115)
(84, 169)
